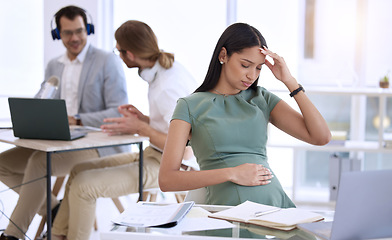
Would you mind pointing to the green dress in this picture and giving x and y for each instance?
(228, 131)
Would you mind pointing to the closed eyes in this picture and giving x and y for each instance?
(245, 66)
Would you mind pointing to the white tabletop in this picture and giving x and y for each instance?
(91, 140)
(232, 233)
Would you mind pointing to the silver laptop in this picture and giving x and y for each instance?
(36, 118)
(363, 208)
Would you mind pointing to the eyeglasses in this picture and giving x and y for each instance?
(66, 34)
(118, 51)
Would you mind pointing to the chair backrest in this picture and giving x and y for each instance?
(197, 195)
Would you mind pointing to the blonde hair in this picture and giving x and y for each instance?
(138, 38)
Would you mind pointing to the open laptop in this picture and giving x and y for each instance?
(363, 208)
(36, 118)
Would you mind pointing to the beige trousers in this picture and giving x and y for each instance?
(21, 165)
(112, 176)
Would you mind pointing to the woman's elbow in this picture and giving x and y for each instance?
(323, 139)
(164, 183)
(163, 186)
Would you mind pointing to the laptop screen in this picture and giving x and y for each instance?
(35, 118)
(364, 206)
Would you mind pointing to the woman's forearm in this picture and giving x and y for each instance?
(189, 180)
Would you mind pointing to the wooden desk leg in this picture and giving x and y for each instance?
(141, 171)
(48, 196)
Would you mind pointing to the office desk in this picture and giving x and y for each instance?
(90, 141)
(238, 231)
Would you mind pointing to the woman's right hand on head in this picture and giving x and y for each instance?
(278, 67)
(250, 174)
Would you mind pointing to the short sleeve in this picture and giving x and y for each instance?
(182, 111)
(270, 98)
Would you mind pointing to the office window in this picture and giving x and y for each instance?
(279, 23)
(350, 50)
(21, 47)
(335, 56)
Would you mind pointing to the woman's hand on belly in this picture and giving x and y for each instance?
(250, 174)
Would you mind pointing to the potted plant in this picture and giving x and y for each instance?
(384, 81)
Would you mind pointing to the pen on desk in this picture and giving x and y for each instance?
(261, 213)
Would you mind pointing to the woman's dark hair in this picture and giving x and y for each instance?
(70, 12)
(235, 38)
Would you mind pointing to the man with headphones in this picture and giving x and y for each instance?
(92, 82)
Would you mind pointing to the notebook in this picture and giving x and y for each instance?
(363, 208)
(35, 118)
(263, 215)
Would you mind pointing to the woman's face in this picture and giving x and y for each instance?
(240, 70)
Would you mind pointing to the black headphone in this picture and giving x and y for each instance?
(56, 33)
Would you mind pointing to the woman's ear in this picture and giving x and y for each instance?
(223, 55)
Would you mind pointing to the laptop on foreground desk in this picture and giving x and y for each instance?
(36, 118)
(363, 208)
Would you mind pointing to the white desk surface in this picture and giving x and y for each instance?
(145, 235)
(91, 140)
